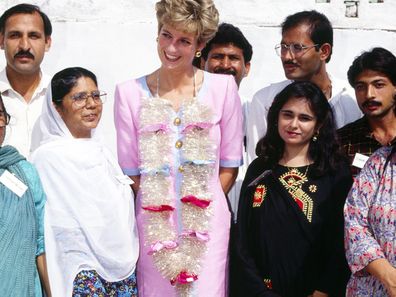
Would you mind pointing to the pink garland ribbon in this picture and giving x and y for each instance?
(202, 203)
(183, 278)
(157, 128)
(158, 208)
(159, 245)
(198, 125)
(201, 236)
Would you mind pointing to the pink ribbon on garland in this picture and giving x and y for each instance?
(157, 128)
(159, 245)
(158, 208)
(184, 278)
(201, 236)
(198, 126)
(202, 203)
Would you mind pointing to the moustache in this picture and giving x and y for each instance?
(289, 62)
(368, 103)
(23, 54)
(225, 71)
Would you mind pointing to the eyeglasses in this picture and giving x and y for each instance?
(297, 49)
(80, 99)
(4, 118)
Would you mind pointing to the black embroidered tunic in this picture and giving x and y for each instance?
(289, 233)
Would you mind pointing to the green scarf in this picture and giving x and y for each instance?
(18, 232)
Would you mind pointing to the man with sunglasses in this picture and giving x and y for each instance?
(305, 48)
(25, 36)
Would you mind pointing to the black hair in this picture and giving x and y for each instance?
(227, 34)
(25, 8)
(325, 152)
(320, 28)
(65, 80)
(378, 59)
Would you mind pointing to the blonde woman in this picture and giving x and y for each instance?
(179, 136)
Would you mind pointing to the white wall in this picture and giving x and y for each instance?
(116, 39)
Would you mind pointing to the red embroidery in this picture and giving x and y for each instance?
(268, 283)
(259, 195)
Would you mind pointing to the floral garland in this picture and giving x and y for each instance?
(177, 255)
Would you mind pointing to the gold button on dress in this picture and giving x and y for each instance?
(177, 121)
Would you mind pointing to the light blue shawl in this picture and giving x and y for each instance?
(18, 231)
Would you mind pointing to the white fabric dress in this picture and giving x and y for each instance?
(89, 214)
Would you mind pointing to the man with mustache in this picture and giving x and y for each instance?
(229, 52)
(25, 36)
(373, 76)
(305, 48)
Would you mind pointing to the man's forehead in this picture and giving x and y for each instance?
(298, 31)
(19, 21)
(226, 47)
(370, 76)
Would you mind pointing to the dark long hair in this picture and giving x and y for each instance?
(325, 152)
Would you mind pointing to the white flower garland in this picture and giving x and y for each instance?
(177, 255)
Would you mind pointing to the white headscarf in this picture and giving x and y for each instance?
(89, 214)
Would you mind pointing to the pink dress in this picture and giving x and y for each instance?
(182, 212)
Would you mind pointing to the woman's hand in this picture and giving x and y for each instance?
(318, 294)
(41, 263)
(390, 282)
(385, 273)
(227, 178)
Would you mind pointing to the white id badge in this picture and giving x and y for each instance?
(124, 179)
(13, 183)
(359, 160)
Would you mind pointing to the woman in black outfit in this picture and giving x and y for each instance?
(289, 239)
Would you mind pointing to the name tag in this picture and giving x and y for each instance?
(124, 179)
(13, 183)
(359, 160)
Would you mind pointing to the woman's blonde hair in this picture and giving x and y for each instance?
(193, 16)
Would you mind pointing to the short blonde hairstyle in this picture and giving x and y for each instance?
(193, 16)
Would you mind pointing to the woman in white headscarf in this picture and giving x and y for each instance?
(90, 234)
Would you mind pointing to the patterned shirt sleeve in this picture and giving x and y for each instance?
(361, 246)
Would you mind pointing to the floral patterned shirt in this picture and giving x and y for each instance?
(370, 222)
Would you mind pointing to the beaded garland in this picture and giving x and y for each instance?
(177, 250)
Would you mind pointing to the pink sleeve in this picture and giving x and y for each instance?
(231, 126)
(126, 127)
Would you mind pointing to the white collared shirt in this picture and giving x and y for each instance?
(343, 103)
(23, 132)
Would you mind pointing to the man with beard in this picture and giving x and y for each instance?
(373, 76)
(305, 48)
(25, 35)
(229, 52)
